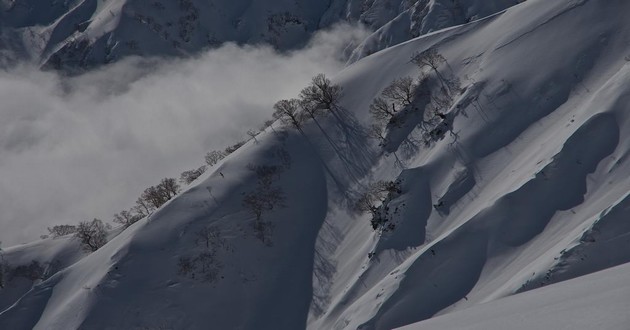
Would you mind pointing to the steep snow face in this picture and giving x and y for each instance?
(62, 34)
(522, 181)
(420, 18)
(597, 301)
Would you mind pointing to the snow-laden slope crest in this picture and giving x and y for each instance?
(526, 184)
(86, 33)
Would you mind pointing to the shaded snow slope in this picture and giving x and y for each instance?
(596, 301)
(526, 184)
(72, 35)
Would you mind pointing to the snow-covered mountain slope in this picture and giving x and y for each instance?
(597, 301)
(80, 34)
(525, 183)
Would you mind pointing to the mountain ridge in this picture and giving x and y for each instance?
(524, 185)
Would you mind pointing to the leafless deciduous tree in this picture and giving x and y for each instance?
(91, 234)
(156, 196)
(321, 94)
(372, 199)
(400, 94)
(401, 91)
(253, 134)
(214, 157)
(381, 111)
(288, 112)
(432, 59)
(205, 265)
(189, 176)
(377, 131)
(265, 197)
(428, 58)
(127, 218)
(143, 207)
(62, 230)
(234, 147)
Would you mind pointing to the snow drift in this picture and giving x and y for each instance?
(526, 185)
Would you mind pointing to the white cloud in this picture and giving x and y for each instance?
(76, 148)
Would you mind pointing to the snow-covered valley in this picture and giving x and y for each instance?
(504, 173)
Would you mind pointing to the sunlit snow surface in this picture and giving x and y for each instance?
(534, 180)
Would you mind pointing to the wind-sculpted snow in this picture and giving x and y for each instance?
(597, 301)
(526, 184)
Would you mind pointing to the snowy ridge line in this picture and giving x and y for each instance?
(502, 159)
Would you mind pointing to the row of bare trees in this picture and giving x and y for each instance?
(94, 234)
(398, 100)
(32, 271)
(317, 99)
(266, 196)
(205, 265)
(430, 95)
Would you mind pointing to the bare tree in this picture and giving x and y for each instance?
(205, 265)
(265, 174)
(429, 58)
(91, 234)
(381, 110)
(155, 196)
(287, 111)
(372, 199)
(62, 230)
(397, 96)
(189, 176)
(378, 132)
(264, 198)
(234, 147)
(127, 218)
(401, 91)
(252, 133)
(33, 271)
(143, 206)
(210, 237)
(214, 157)
(375, 193)
(312, 111)
(169, 187)
(432, 59)
(321, 94)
